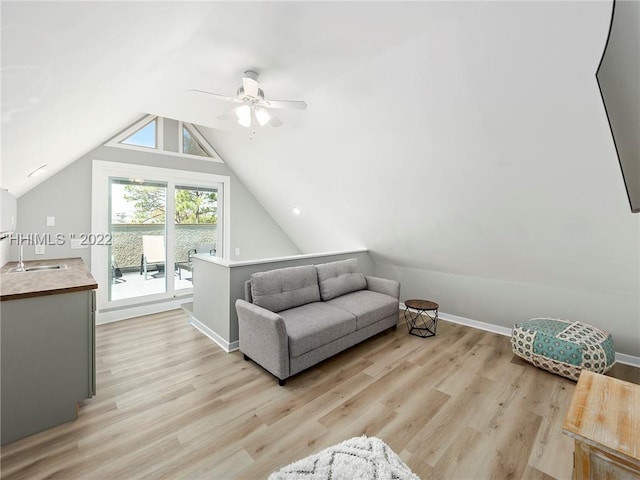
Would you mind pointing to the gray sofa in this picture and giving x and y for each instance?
(293, 318)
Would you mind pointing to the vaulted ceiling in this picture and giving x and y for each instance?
(464, 143)
(74, 73)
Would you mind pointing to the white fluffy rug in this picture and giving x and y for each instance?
(359, 458)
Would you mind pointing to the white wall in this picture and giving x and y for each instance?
(475, 162)
(5, 249)
(67, 197)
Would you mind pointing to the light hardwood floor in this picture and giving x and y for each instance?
(171, 404)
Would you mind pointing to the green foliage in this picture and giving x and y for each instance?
(192, 206)
(190, 145)
(149, 203)
(196, 206)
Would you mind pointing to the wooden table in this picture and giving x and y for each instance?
(604, 420)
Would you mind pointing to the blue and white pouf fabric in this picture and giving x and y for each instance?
(563, 347)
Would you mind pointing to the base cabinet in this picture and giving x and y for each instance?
(48, 361)
(604, 421)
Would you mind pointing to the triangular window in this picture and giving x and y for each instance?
(145, 136)
(191, 144)
(166, 137)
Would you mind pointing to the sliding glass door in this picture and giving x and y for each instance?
(156, 220)
(139, 228)
(195, 226)
(137, 225)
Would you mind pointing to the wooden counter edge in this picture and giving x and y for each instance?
(42, 293)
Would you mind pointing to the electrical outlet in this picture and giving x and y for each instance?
(77, 243)
(237, 251)
(39, 249)
(51, 221)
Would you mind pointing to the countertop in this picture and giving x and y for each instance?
(76, 277)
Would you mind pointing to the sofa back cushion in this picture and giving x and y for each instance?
(285, 288)
(340, 278)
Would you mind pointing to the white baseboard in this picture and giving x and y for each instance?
(489, 327)
(125, 313)
(221, 342)
(628, 359)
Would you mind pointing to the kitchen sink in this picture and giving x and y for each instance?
(38, 268)
(45, 267)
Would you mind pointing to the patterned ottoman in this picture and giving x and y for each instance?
(563, 347)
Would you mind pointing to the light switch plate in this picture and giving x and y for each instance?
(237, 251)
(51, 221)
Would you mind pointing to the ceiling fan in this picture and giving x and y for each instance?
(253, 109)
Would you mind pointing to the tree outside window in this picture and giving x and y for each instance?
(193, 205)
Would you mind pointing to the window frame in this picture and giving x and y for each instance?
(140, 124)
(102, 173)
(160, 147)
(193, 130)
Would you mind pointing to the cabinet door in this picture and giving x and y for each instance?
(45, 361)
(593, 464)
(604, 466)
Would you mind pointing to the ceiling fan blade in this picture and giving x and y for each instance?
(273, 121)
(250, 83)
(293, 104)
(228, 114)
(221, 97)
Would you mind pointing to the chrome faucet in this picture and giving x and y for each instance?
(20, 267)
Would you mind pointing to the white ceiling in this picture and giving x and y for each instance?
(74, 73)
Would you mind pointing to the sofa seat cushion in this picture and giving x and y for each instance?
(368, 307)
(339, 278)
(285, 288)
(314, 325)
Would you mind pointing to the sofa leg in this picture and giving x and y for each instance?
(281, 382)
(246, 359)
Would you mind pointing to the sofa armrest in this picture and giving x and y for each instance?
(383, 285)
(263, 338)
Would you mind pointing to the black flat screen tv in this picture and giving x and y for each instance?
(618, 77)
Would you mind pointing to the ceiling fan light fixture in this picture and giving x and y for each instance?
(244, 115)
(252, 110)
(262, 116)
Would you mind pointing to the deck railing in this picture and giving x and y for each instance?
(127, 240)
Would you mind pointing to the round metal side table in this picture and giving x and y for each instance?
(421, 317)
